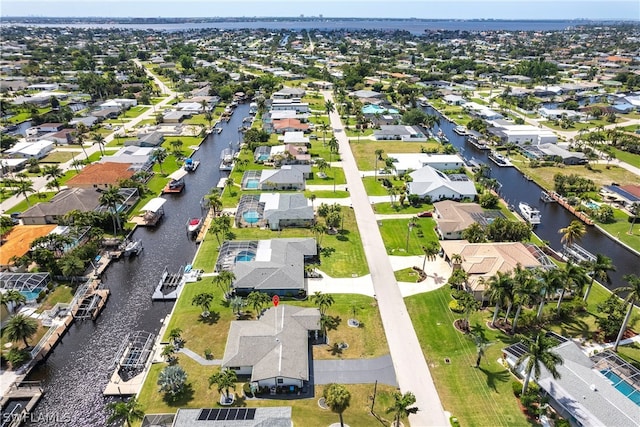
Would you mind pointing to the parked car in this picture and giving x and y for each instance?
(425, 214)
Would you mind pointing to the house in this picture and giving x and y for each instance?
(452, 218)
(483, 260)
(106, 113)
(454, 99)
(404, 162)
(289, 93)
(557, 114)
(192, 107)
(139, 158)
(101, 175)
(289, 104)
(289, 125)
(365, 94)
(49, 127)
(288, 177)
(275, 416)
(71, 199)
(11, 165)
(626, 195)
(430, 182)
(523, 134)
(296, 138)
(176, 116)
(273, 350)
(568, 157)
(120, 103)
(65, 136)
(399, 132)
(481, 111)
(274, 210)
(18, 241)
(153, 139)
(588, 392)
(31, 150)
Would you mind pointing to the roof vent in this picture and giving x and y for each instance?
(593, 387)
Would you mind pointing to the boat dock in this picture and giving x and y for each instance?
(169, 286)
(89, 300)
(19, 401)
(580, 215)
(205, 227)
(131, 364)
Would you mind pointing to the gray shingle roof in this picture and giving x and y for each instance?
(277, 416)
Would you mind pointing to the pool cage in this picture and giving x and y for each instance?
(610, 363)
(133, 354)
(28, 284)
(262, 153)
(251, 179)
(250, 212)
(234, 251)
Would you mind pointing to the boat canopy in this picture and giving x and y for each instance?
(179, 174)
(154, 205)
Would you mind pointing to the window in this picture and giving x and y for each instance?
(280, 381)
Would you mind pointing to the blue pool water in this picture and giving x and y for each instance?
(263, 157)
(623, 386)
(252, 183)
(245, 256)
(251, 217)
(31, 295)
(592, 205)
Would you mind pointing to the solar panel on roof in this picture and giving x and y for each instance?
(251, 414)
(204, 414)
(242, 413)
(222, 414)
(213, 415)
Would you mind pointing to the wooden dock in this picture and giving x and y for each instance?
(28, 391)
(205, 227)
(580, 215)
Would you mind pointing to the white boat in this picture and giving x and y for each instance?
(132, 248)
(460, 130)
(546, 197)
(193, 225)
(442, 137)
(191, 165)
(499, 159)
(530, 214)
(227, 161)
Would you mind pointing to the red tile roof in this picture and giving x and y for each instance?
(101, 174)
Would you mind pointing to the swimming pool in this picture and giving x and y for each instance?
(252, 183)
(251, 217)
(622, 386)
(245, 256)
(263, 157)
(592, 205)
(31, 295)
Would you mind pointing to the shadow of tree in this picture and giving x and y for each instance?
(494, 377)
(213, 318)
(181, 399)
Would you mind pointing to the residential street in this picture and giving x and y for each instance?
(410, 365)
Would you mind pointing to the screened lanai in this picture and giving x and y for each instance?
(235, 251)
(250, 212)
(28, 284)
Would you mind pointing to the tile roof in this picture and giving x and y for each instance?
(18, 241)
(102, 174)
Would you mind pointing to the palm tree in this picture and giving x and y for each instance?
(203, 300)
(324, 127)
(112, 198)
(215, 201)
(323, 301)
(469, 305)
(224, 280)
(175, 335)
(237, 303)
(128, 411)
(401, 407)
(11, 296)
(539, 353)
(312, 197)
(499, 292)
(633, 296)
(81, 131)
(322, 165)
(229, 183)
(337, 398)
(574, 279)
(21, 328)
(257, 300)
(333, 147)
(318, 231)
(329, 107)
(99, 139)
(24, 187)
(169, 353)
(635, 212)
(225, 379)
(159, 155)
(53, 172)
(524, 291)
(379, 152)
(572, 233)
(600, 268)
(551, 279)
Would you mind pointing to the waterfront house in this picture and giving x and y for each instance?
(522, 134)
(101, 175)
(452, 218)
(152, 139)
(289, 104)
(289, 177)
(432, 183)
(274, 210)
(404, 162)
(289, 93)
(275, 416)
(139, 158)
(399, 132)
(17, 242)
(289, 125)
(551, 151)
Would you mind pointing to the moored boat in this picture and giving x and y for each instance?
(132, 248)
(499, 159)
(546, 197)
(530, 214)
(460, 130)
(191, 165)
(193, 225)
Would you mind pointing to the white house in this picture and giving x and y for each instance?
(289, 104)
(31, 150)
(399, 132)
(525, 134)
(430, 182)
(414, 161)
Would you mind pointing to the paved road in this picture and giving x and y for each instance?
(355, 371)
(410, 365)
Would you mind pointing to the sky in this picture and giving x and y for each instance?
(426, 9)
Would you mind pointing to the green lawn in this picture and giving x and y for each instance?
(61, 294)
(333, 172)
(58, 157)
(374, 187)
(477, 397)
(395, 231)
(134, 112)
(33, 199)
(327, 194)
(620, 229)
(388, 208)
(624, 156)
(364, 151)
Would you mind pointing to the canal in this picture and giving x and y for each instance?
(76, 373)
(515, 189)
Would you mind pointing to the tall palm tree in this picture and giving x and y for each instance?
(337, 398)
(257, 300)
(21, 328)
(99, 139)
(600, 268)
(53, 172)
(324, 127)
(539, 353)
(323, 301)
(329, 107)
(215, 201)
(401, 407)
(524, 291)
(81, 132)
(333, 147)
(499, 292)
(203, 300)
(224, 280)
(127, 411)
(24, 186)
(633, 296)
(572, 233)
(159, 155)
(635, 212)
(574, 279)
(551, 280)
(379, 152)
(224, 380)
(112, 198)
(11, 296)
(312, 197)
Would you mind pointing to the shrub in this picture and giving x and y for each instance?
(17, 357)
(517, 388)
(562, 423)
(455, 306)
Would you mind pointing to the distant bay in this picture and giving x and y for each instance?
(414, 26)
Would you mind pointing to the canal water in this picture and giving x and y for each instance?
(76, 373)
(515, 189)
